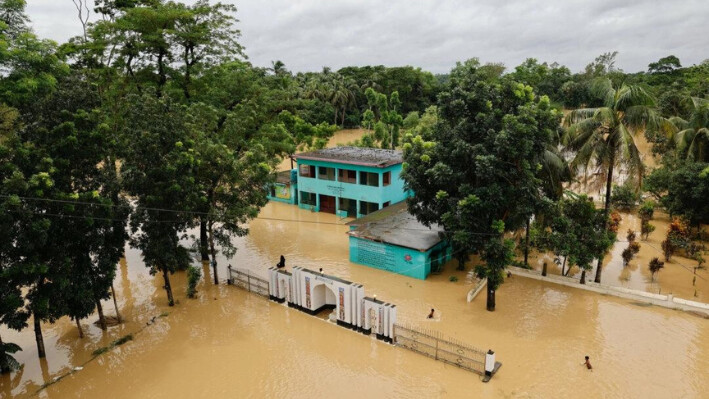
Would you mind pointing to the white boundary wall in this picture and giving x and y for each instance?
(667, 301)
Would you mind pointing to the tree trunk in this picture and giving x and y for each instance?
(168, 287)
(291, 164)
(342, 117)
(526, 245)
(544, 269)
(490, 300)
(214, 253)
(101, 317)
(583, 277)
(115, 304)
(38, 337)
(4, 366)
(204, 250)
(78, 326)
(563, 266)
(599, 268)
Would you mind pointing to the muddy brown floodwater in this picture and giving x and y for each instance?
(229, 343)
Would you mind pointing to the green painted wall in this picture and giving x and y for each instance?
(395, 259)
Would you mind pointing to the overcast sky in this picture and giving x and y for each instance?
(309, 34)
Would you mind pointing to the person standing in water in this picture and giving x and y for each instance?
(430, 315)
(587, 363)
(282, 263)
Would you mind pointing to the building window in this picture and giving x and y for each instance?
(326, 173)
(308, 198)
(347, 176)
(387, 178)
(349, 205)
(369, 179)
(307, 171)
(365, 208)
(384, 205)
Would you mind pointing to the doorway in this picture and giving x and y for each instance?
(327, 203)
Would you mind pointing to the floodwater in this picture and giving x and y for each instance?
(678, 277)
(231, 343)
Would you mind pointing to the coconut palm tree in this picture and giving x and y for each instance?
(691, 137)
(604, 137)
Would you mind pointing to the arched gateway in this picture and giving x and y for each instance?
(311, 292)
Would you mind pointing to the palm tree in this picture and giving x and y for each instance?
(691, 137)
(604, 136)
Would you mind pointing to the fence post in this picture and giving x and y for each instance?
(436, 353)
(489, 363)
(248, 281)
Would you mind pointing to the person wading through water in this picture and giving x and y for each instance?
(587, 363)
(282, 263)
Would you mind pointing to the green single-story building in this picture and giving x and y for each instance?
(392, 239)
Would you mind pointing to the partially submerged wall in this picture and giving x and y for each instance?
(667, 301)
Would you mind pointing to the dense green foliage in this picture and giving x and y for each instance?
(682, 188)
(574, 229)
(152, 123)
(478, 176)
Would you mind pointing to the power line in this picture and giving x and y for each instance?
(198, 213)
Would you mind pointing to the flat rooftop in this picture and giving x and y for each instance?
(395, 225)
(374, 157)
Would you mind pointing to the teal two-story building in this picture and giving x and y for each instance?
(349, 181)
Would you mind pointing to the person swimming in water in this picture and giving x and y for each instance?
(587, 363)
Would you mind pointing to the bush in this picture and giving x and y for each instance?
(677, 238)
(645, 229)
(634, 247)
(193, 276)
(627, 256)
(453, 279)
(630, 236)
(647, 210)
(614, 221)
(655, 266)
(624, 197)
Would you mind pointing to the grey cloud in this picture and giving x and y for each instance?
(309, 34)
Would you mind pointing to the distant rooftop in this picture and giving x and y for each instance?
(355, 156)
(395, 225)
(283, 177)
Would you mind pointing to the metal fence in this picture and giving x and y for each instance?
(248, 282)
(434, 345)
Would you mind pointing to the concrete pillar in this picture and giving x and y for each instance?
(489, 362)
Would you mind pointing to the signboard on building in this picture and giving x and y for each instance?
(282, 191)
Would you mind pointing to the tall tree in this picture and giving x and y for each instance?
(159, 171)
(603, 137)
(478, 175)
(691, 136)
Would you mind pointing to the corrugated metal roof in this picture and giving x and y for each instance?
(355, 156)
(395, 225)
